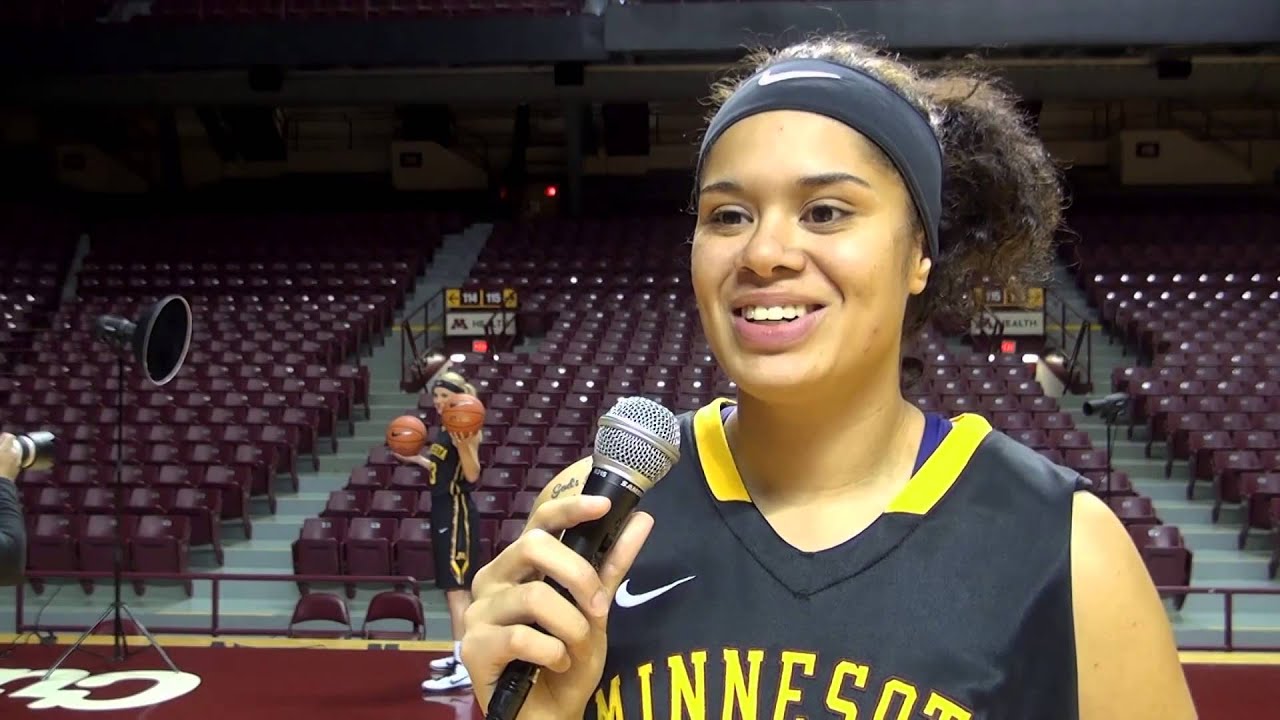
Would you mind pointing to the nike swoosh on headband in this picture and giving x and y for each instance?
(770, 77)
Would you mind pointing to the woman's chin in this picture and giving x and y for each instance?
(775, 378)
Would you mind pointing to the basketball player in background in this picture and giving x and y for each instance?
(823, 548)
(452, 462)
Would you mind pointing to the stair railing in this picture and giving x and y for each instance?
(496, 329)
(429, 316)
(990, 331)
(1058, 318)
(1084, 339)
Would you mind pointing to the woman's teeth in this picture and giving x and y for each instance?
(775, 313)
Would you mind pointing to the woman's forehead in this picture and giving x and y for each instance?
(791, 144)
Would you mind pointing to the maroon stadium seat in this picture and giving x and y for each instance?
(392, 605)
(161, 544)
(320, 607)
(52, 546)
(318, 549)
(367, 548)
(413, 549)
(1257, 491)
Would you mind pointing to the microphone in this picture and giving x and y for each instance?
(637, 443)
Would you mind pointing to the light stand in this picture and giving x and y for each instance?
(159, 340)
(1111, 408)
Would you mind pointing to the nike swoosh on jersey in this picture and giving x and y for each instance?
(627, 600)
(769, 77)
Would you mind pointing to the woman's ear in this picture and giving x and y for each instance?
(918, 266)
(919, 278)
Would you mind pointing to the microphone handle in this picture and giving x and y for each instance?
(590, 540)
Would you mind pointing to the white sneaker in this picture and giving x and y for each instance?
(443, 664)
(459, 679)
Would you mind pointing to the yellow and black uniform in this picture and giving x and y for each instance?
(453, 517)
(954, 604)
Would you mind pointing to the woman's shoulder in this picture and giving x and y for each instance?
(1002, 455)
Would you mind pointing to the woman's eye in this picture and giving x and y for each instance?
(823, 214)
(729, 217)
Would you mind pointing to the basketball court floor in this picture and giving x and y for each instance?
(252, 678)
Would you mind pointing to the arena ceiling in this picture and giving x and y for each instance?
(1256, 79)
(639, 32)
(1082, 49)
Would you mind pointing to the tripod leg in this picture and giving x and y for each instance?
(79, 641)
(150, 638)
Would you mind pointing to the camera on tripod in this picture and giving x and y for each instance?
(35, 450)
(1110, 408)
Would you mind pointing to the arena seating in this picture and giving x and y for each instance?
(267, 380)
(611, 301)
(1200, 309)
(234, 10)
(58, 13)
(49, 13)
(35, 252)
(331, 610)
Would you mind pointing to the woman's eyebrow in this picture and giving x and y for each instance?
(832, 178)
(808, 181)
(725, 186)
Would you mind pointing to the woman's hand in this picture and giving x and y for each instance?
(468, 445)
(10, 457)
(412, 459)
(470, 441)
(510, 597)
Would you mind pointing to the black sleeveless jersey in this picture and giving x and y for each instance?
(954, 604)
(445, 476)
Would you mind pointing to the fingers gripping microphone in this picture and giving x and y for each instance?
(637, 443)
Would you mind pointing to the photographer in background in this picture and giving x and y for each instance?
(13, 535)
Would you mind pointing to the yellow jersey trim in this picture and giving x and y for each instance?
(713, 453)
(917, 497)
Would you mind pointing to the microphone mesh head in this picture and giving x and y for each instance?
(641, 435)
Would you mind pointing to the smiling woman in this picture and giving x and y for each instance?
(822, 547)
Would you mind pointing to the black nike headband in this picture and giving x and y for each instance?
(858, 100)
(453, 382)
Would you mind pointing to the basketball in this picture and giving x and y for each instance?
(464, 415)
(406, 435)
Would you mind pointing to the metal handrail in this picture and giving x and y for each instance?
(1228, 604)
(996, 333)
(1085, 336)
(214, 627)
(409, 351)
(501, 340)
(1082, 341)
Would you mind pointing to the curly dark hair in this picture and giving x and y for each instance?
(1002, 199)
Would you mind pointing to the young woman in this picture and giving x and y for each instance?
(822, 548)
(453, 465)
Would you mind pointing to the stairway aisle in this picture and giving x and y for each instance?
(1216, 560)
(270, 604)
(450, 267)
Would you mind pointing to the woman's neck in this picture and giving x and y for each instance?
(808, 451)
